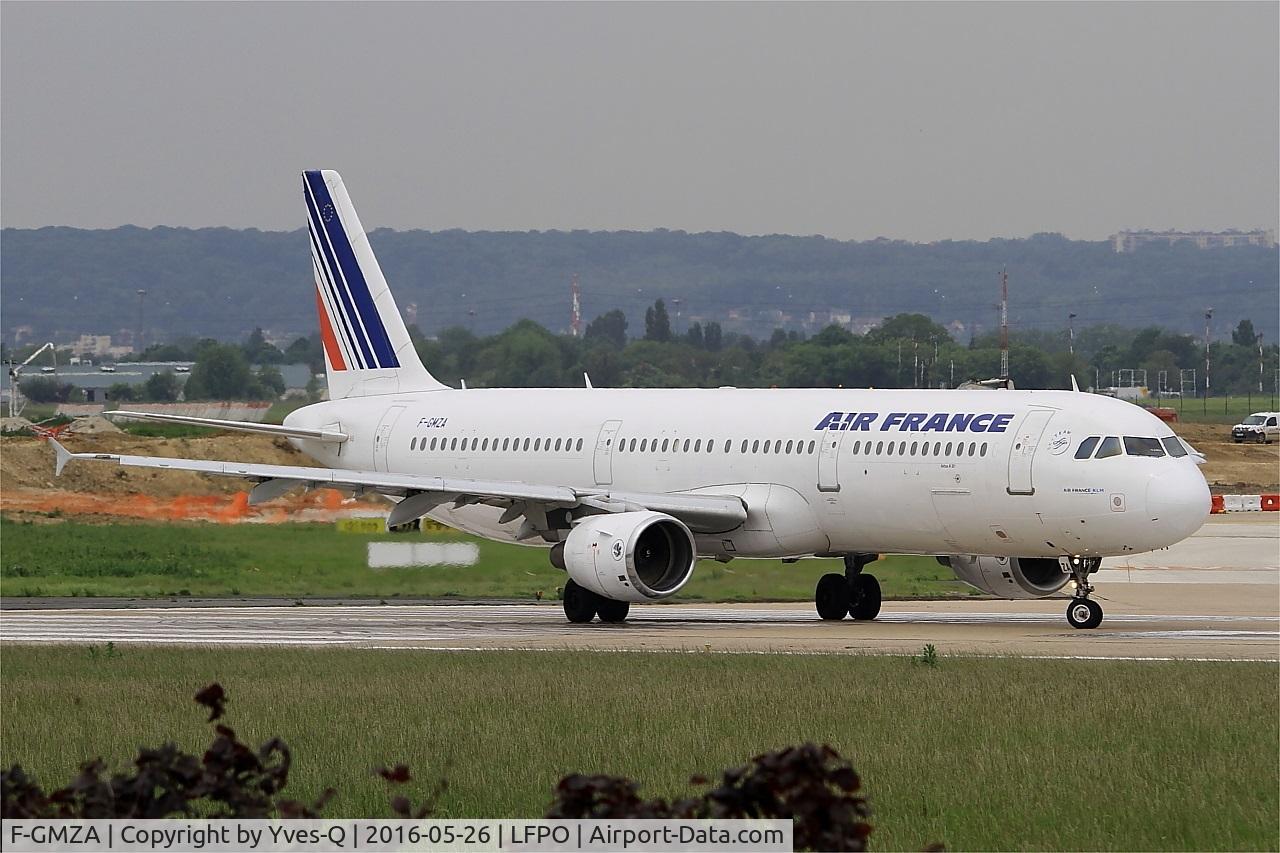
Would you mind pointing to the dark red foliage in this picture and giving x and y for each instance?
(810, 785)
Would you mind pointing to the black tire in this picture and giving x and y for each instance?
(612, 611)
(832, 597)
(864, 602)
(1084, 613)
(579, 604)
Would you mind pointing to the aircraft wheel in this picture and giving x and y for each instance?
(1084, 613)
(579, 604)
(832, 597)
(865, 598)
(612, 611)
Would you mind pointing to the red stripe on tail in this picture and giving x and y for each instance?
(326, 337)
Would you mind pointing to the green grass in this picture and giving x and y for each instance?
(974, 753)
(192, 559)
(1217, 410)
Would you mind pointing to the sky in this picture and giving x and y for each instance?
(912, 121)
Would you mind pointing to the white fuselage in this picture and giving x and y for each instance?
(820, 471)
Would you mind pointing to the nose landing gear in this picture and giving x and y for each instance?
(851, 594)
(1083, 612)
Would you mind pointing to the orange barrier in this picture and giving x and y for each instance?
(1271, 503)
(1217, 505)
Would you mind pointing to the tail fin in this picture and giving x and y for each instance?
(366, 346)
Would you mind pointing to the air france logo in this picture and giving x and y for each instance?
(1060, 442)
(915, 422)
(617, 549)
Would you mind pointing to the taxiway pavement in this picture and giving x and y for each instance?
(1216, 596)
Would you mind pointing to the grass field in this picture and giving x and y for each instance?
(975, 753)
(1217, 410)
(305, 560)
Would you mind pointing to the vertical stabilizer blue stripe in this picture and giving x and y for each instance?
(331, 264)
(379, 341)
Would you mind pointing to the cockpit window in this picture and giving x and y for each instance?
(1135, 446)
(1085, 450)
(1110, 447)
(1175, 447)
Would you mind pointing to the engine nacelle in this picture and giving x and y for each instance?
(1011, 577)
(630, 556)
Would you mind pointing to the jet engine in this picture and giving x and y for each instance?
(1011, 577)
(629, 556)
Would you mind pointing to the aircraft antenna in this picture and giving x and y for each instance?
(1004, 325)
(575, 308)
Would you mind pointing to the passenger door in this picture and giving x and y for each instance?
(1022, 450)
(604, 452)
(828, 461)
(382, 437)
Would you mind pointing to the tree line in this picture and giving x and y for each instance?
(904, 351)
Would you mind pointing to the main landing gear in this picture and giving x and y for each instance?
(851, 594)
(582, 605)
(1083, 611)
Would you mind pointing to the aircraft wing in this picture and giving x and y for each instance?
(421, 494)
(325, 435)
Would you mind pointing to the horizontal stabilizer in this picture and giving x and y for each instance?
(241, 426)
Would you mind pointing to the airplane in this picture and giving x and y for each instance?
(1020, 493)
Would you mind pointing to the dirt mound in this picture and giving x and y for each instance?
(1233, 468)
(92, 425)
(27, 463)
(14, 424)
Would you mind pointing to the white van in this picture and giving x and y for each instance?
(1261, 427)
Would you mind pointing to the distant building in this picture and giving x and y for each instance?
(92, 345)
(1128, 241)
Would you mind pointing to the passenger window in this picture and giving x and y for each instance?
(1137, 446)
(665, 442)
(973, 448)
(744, 446)
(697, 446)
(915, 445)
(558, 444)
(632, 447)
(1175, 447)
(812, 445)
(433, 444)
(579, 445)
(790, 444)
(453, 445)
(526, 445)
(755, 446)
(856, 446)
(982, 451)
(485, 445)
(1085, 450)
(413, 443)
(890, 453)
(728, 444)
(644, 444)
(537, 445)
(506, 444)
(937, 448)
(1110, 447)
(686, 445)
(948, 448)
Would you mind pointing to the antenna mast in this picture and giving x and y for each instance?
(575, 309)
(1004, 324)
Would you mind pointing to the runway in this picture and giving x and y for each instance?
(1215, 597)
(1034, 629)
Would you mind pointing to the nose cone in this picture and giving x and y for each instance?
(1178, 502)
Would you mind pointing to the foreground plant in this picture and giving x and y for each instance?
(809, 784)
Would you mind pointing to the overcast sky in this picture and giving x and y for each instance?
(912, 121)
